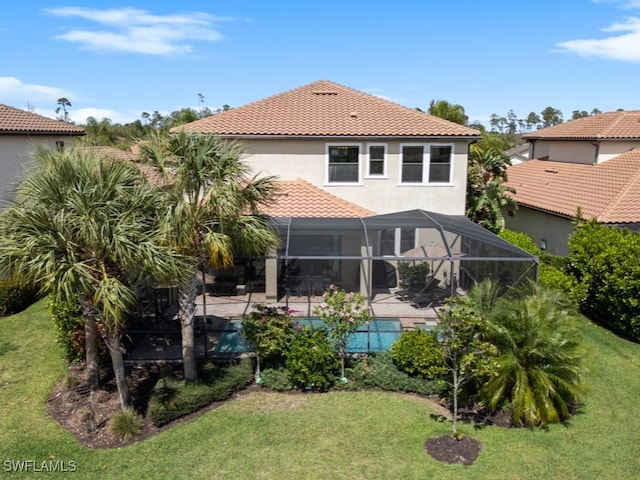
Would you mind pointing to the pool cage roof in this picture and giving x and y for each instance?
(414, 235)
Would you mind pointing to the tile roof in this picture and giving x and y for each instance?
(517, 150)
(299, 198)
(16, 121)
(608, 191)
(620, 125)
(153, 176)
(325, 108)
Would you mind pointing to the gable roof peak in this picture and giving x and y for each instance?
(327, 109)
(618, 125)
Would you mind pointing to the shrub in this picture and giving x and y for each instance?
(417, 352)
(277, 379)
(380, 371)
(311, 361)
(173, 398)
(125, 424)
(269, 331)
(16, 294)
(603, 261)
(413, 275)
(67, 319)
(551, 272)
(539, 370)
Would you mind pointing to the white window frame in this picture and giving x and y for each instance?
(328, 157)
(426, 164)
(384, 160)
(397, 241)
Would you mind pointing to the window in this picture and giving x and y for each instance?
(426, 164)
(59, 145)
(412, 164)
(377, 160)
(440, 164)
(344, 163)
(396, 241)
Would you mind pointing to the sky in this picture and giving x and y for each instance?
(116, 60)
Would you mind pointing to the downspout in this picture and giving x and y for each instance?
(597, 145)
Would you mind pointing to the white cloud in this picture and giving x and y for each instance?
(18, 94)
(625, 47)
(138, 31)
(626, 4)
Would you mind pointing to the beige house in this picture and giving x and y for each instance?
(591, 164)
(366, 184)
(20, 133)
(358, 147)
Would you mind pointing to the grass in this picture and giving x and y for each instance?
(340, 435)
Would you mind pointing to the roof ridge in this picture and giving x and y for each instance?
(616, 121)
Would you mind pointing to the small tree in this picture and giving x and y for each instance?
(270, 332)
(342, 313)
(466, 354)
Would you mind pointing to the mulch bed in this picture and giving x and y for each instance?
(449, 449)
(69, 405)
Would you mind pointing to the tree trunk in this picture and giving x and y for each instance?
(117, 361)
(187, 303)
(91, 346)
(456, 384)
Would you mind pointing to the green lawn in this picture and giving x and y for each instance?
(362, 435)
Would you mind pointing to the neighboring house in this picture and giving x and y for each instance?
(591, 164)
(20, 133)
(356, 146)
(518, 154)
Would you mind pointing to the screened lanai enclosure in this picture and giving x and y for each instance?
(415, 252)
(406, 264)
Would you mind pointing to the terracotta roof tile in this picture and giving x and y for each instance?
(299, 198)
(324, 108)
(611, 125)
(16, 121)
(153, 176)
(609, 191)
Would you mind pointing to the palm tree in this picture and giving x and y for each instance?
(215, 213)
(540, 373)
(87, 229)
(486, 192)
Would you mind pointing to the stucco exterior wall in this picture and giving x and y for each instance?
(542, 226)
(609, 150)
(564, 151)
(15, 155)
(583, 151)
(290, 159)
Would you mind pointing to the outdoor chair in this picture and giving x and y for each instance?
(425, 297)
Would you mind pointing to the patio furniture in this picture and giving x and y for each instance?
(425, 297)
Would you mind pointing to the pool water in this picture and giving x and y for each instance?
(377, 336)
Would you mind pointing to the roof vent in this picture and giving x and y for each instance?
(551, 170)
(325, 92)
(354, 114)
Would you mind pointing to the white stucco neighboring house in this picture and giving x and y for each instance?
(20, 133)
(358, 147)
(591, 164)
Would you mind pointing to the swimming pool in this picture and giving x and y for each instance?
(377, 336)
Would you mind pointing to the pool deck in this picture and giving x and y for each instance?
(384, 304)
